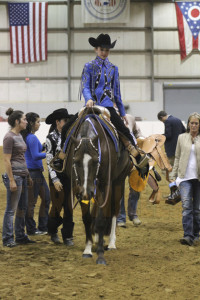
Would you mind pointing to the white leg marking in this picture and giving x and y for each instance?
(86, 159)
(88, 248)
(112, 234)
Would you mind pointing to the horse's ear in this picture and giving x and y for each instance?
(74, 141)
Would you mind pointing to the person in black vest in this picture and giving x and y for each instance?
(57, 183)
(173, 127)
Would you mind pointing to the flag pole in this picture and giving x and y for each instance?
(152, 54)
(69, 48)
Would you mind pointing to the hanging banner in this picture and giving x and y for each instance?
(101, 11)
(188, 20)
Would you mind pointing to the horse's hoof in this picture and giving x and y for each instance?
(101, 261)
(87, 255)
(112, 248)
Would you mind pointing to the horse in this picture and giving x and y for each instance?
(96, 168)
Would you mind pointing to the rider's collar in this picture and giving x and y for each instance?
(99, 61)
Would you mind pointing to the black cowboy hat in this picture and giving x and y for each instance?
(103, 40)
(57, 114)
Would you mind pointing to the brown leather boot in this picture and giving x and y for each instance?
(132, 150)
(141, 161)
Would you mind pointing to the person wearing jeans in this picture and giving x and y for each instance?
(16, 202)
(133, 195)
(34, 155)
(15, 180)
(39, 188)
(191, 209)
(132, 209)
(186, 172)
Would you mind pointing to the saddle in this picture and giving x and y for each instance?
(97, 109)
(153, 146)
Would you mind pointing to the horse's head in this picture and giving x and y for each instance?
(86, 164)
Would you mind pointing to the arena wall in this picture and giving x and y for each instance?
(147, 128)
(147, 53)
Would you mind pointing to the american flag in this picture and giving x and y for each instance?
(188, 19)
(28, 31)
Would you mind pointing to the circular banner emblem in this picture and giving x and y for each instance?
(105, 10)
(194, 13)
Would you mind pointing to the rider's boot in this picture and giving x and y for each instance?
(139, 160)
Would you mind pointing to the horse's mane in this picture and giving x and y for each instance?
(84, 129)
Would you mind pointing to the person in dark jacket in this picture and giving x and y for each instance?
(173, 127)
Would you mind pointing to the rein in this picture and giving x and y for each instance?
(109, 164)
(76, 129)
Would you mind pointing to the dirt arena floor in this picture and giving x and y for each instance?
(149, 262)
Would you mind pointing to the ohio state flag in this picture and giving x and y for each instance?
(188, 20)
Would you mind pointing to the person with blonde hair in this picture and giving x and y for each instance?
(186, 172)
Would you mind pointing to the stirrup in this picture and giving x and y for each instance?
(57, 163)
(143, 161)
(61, 155)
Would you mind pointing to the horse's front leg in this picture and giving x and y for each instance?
(100, 250)
(87, 220)
(100, 228)
(112, 238)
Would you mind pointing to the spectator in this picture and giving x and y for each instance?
(34, 156)
(173, 127)
(132, 209)
(133, 195)
(186, 172)
(15, 180)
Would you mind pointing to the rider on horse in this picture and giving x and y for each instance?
(100, 85)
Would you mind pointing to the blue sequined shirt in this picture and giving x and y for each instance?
(100, 82)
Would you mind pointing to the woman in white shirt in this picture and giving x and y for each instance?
(186, 172)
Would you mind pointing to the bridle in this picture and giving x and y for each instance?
(74, 165)
(109, 163)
